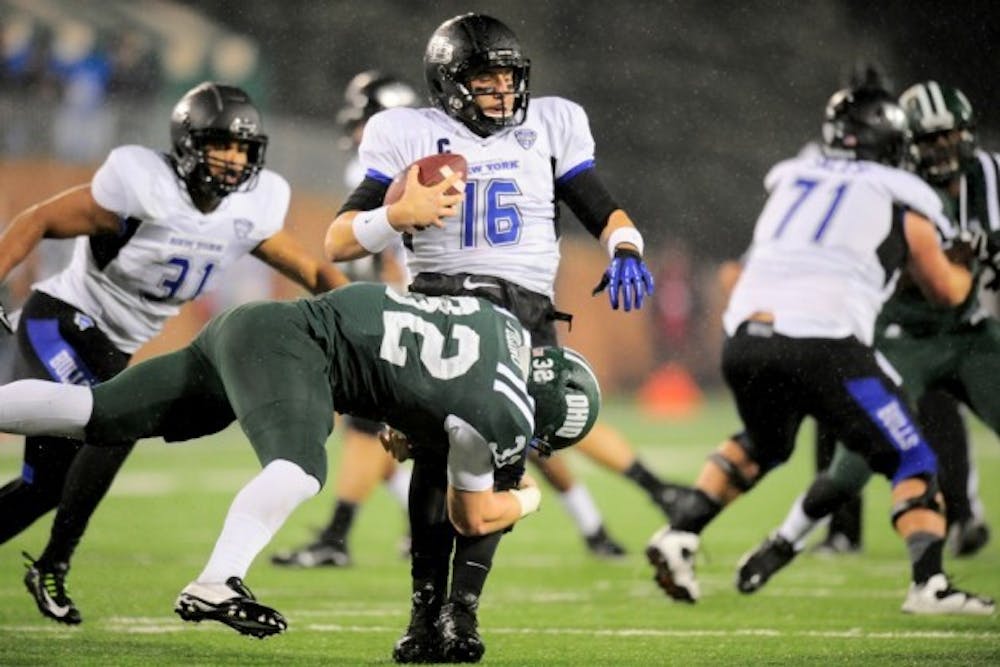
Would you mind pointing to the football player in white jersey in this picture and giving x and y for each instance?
(498, 240)
(363, 462)
(827, 251)
(153, 231)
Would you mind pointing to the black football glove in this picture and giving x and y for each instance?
(627, 278)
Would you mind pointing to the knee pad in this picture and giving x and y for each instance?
(732, 471)
(825, 496)
(926, 500)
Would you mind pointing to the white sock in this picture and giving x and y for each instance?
(40, 407)
(257, 512)
(580, 505)
(797, 525)
(399, 485)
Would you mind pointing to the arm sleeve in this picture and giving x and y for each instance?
(589, 199)
(368, 195)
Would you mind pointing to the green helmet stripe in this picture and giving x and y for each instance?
(579, 360)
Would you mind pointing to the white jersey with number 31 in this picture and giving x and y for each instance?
(167, 252)
(826, 253)
(506, 225)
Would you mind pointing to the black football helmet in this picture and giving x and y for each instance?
(865, 124)
(463, 47)
(943, 126)
(567, 397)
(368, 93)
(211, 114)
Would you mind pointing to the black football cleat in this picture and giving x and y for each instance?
(421, 643)
(459, 630)
(601, 545)
(758, 566)
(47, 584)
(317, 554)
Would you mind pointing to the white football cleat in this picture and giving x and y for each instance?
(230, 603)
(671, 553)
(936, 596)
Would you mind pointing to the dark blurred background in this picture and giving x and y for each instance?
(690, 102)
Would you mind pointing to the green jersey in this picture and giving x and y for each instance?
(977, 206)
(427, 365)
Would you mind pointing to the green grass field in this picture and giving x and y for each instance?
(546, 603)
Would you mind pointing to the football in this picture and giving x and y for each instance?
(433, 170)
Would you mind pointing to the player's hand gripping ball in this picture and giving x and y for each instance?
(433, 170)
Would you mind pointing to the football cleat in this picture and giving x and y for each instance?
(967, 537)
(230, 603)
(47, 584)
(756, 567)
(421, 643)
(459, 630)
(317, 554)
(601, 545)
(936, 596)
(671, 553)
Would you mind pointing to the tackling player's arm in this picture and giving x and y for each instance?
(483, 512)
(365, 226)
(941, 280)
(285, 254)
(73, 212)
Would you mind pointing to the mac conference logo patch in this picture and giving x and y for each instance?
(242, 228)
(525, 137)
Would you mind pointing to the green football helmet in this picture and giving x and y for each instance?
(943, 127)
(567, 397)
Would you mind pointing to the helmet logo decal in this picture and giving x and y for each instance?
(931, 104)
(440, 50)
(525, 137)
(577, 414)
(242, 126)
(242, 228)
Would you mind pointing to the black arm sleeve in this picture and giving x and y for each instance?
(368, 195)
(589, 199)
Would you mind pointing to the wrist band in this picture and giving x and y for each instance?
(528, 498)
(624, 235)
(372, 229)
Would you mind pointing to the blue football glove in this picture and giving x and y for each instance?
(628, 278)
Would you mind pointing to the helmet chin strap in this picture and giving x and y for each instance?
(205, 195)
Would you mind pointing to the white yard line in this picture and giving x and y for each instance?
(147, 625)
